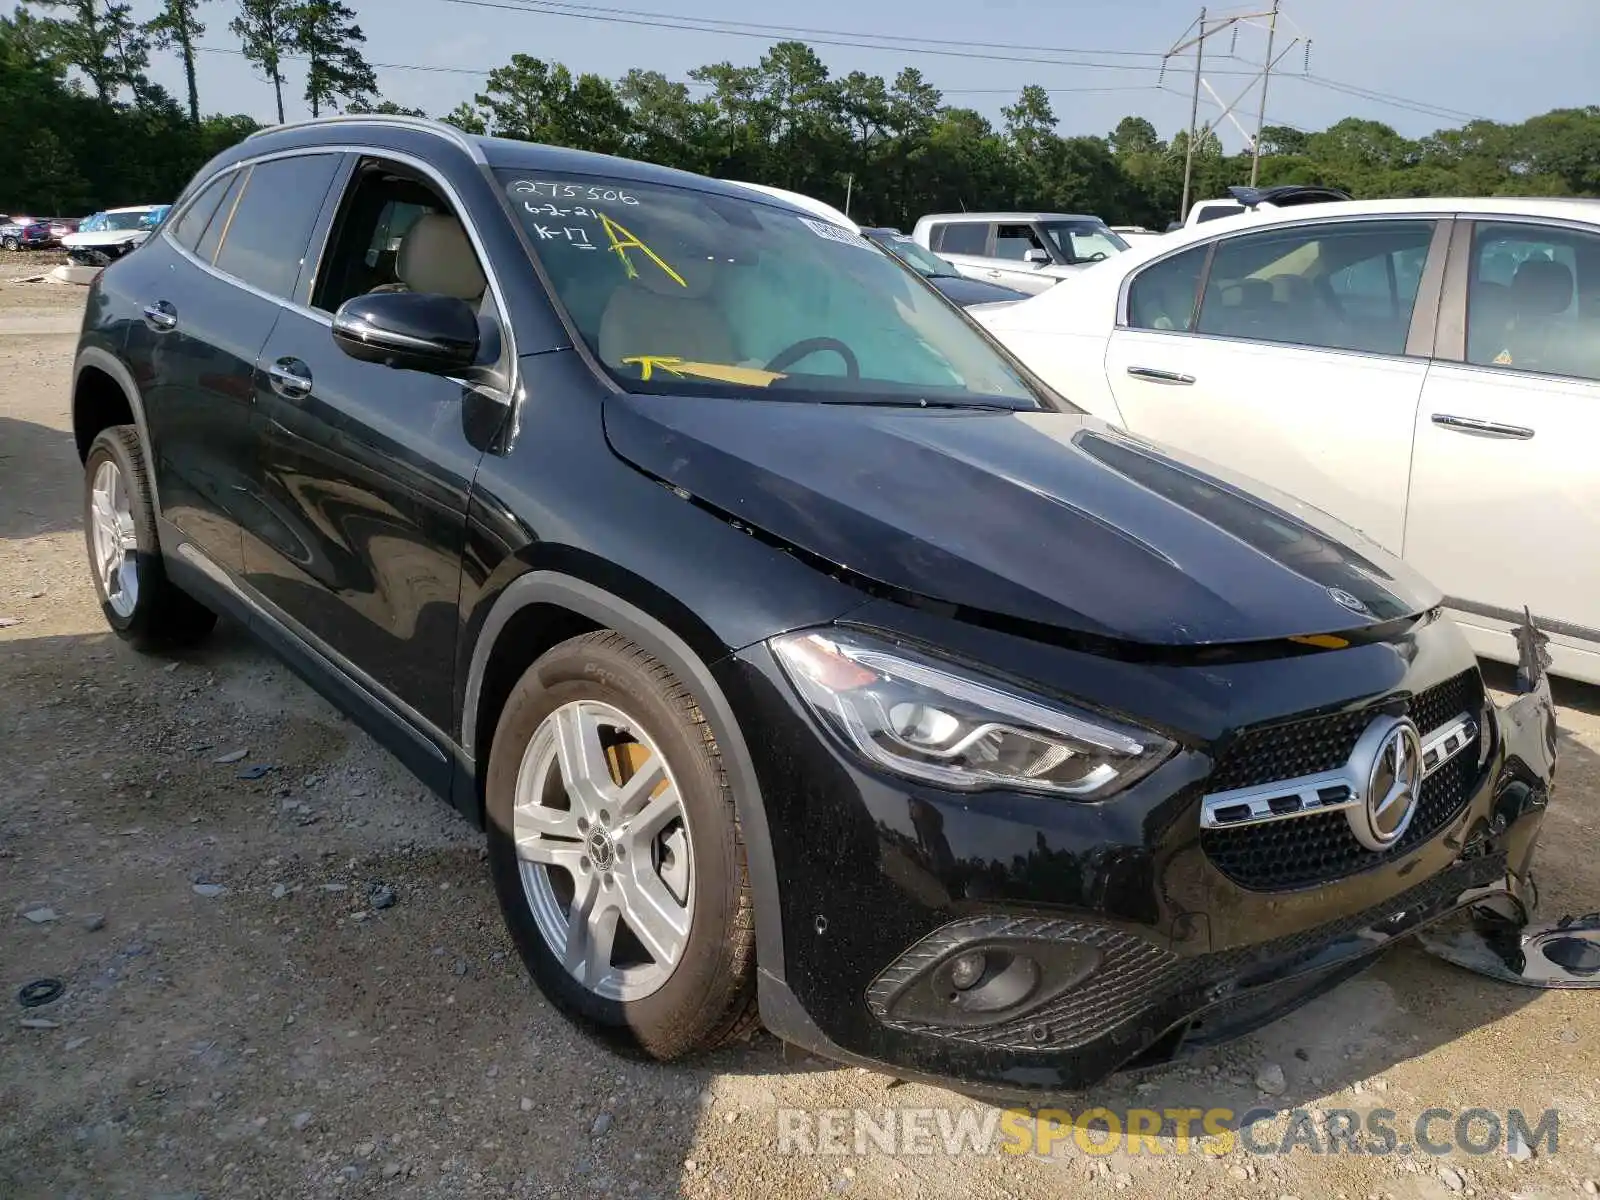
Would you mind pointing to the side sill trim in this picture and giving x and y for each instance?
(425, 735)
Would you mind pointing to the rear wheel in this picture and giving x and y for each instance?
(616, 852)
(140, 603)
(11, 242)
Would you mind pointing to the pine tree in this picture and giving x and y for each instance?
(326, 33)
(176, 26)
(265, 29)
(102, 40)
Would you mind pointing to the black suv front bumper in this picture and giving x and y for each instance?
(1141, 932)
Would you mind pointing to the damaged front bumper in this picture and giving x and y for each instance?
(1112, 986)
(1504, 941)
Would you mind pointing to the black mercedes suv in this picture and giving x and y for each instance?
(805, 658)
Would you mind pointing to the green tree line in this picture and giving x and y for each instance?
(84, 127)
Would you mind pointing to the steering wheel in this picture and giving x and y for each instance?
(792, 355)
(1097, 256)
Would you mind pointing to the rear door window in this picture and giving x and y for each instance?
(963, 237)
(1348, 285)
(270, 227)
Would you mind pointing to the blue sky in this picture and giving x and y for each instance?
(1479, 57)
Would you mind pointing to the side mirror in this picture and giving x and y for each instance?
(411, 331)
(1037, 257)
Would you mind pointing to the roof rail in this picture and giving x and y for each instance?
(421, 124)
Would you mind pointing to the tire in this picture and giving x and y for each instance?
(11, 243)
(140, 603)
(645, 726)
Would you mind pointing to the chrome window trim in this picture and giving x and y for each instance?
(1210, 246)
(1347, 784)
(325, 318)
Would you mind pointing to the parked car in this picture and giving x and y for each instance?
(1426, 370)
(1029, 252)
(943, 275)
(109, 235)
(802, 655)
(23, 233)
(820, 208)
(60, 227)
(1241, 200)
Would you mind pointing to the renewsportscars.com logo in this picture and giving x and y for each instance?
(1214, 1131)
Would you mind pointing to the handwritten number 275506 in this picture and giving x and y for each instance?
(572, 191)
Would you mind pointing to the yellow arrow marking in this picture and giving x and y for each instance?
(621, 246)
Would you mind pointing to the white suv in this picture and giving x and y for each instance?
(1029, 251)
(1426, 370)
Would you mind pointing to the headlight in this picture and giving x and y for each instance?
(931, 720)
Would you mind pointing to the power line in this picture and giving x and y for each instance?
(484, 72)
(1418, 106)
(891, 43)
(381, 65)
(963, 43)
(667, 21)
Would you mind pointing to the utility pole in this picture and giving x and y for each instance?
(849, 186)
(1261, 111)
(1198, 42)
(1194, 115)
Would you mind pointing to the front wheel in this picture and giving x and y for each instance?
(140, 603)
(10, 243)
(616, 851)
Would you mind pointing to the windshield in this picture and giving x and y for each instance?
(676, 290)
(924, 262)
(1084, 241)
(124, 220)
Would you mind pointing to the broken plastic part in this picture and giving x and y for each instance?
(1549, 954)
(1504, 942)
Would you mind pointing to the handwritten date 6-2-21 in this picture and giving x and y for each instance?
(571, 191)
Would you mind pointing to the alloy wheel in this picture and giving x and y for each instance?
(603, 844)
(116, 545)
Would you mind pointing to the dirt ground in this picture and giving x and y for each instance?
(241, 1020)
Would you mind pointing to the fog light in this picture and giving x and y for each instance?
(967, 970)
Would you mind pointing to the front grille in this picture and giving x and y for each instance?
(1304, 851)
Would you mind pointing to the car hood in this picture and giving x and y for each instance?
(1045, 518)
(104, 237)
(967, 292)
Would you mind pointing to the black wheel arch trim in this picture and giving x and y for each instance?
(612, 612)
(103, 360)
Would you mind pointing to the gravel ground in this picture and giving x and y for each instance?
(247, 1014)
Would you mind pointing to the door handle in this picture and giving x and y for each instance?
(1170, 378)
(1474, 425)
(161, 316)
(290, 378)
(994, 274)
